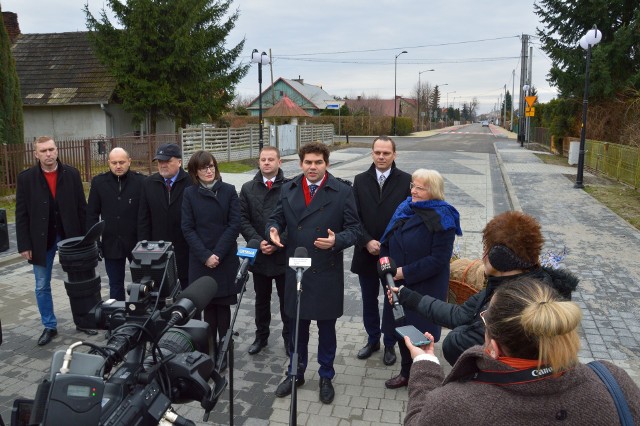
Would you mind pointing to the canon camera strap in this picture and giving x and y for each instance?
(512, 377)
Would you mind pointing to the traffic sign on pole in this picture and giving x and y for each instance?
(530, 100)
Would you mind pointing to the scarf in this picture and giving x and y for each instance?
(438, 215)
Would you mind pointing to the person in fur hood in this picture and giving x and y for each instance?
(512, 245)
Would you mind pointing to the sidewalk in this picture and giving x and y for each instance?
(600, 249)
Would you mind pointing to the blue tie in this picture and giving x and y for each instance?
(312, 190)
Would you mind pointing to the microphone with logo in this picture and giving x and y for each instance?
(300, 262)
(190, 301)
(248, 256)
(386, 270)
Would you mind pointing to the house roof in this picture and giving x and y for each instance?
(285, 107)
(315, 95)
(61, 69)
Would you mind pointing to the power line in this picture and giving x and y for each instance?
(387, 62)
(404, 47)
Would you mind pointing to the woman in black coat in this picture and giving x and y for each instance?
(419, 238)
(211, 225)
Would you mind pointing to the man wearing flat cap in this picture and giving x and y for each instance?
(160, 215)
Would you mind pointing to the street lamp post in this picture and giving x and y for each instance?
(395, 87)
(419, 96)
(436, 100)
(446, 117)
(591, 38)
(260, 59)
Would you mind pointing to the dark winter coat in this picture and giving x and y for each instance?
(256, 204)
(116, 200)
(578, 397)
(424, 257)
(33, 204)
(160, 216)
(464, 320)
(375, 210)
(211, 224)
(333, 207)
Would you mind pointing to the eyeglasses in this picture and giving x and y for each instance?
(419, 188)
(482, 314)
(210, 167)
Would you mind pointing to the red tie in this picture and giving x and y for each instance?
(269, 184)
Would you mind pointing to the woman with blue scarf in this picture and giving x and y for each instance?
(419, 238)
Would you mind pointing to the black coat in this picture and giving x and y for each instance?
(211, 224)
(375, 210)
(466, 326)
(33, 199)
(116, 200)
(161, 219)
(424, 257)
(256, 204)
(333, 207)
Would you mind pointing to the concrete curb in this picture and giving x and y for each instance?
(511, 193)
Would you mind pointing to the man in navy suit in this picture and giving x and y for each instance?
(318, 211)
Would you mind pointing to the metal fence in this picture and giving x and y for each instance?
(89, 156)
(621, 162)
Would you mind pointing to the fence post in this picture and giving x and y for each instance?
(251, 143)
(203, 137)
(87, 159)
(228, 144)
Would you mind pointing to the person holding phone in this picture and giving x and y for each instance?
(419, 238)
(527, 371)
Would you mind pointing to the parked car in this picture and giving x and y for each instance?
(485, 123)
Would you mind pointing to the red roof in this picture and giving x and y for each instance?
(285, 107)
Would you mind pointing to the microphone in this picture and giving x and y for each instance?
(248, 256)
(386, 270)
(193, 299)
(300, 261)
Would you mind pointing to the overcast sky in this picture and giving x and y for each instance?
(348, 46)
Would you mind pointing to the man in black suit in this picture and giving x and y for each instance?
(378, 192)
(160, 215)
(50, 207)
(319, 213)
(115, 198)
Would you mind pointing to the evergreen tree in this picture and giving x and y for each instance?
(169, 58)
(11, 122)
(435, 101)
(615, 63)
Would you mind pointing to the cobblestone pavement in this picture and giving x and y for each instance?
(600, 249)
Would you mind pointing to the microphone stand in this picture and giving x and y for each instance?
(294, 361)
(228, 345)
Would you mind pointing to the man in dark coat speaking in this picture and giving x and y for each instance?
(319, 213)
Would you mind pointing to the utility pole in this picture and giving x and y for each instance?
(523, 77)
(504, 116)
(529, 83)
(513, 94)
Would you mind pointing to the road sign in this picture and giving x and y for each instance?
(530, 111)
(335, 105)
(530, 100)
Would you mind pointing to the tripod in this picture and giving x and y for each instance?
(294, 360)
(228, 345)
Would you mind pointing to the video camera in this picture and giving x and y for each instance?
(163, 355)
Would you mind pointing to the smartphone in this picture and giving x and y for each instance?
(417, 338)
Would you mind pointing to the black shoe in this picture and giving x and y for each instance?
(257, 346)
(326, 391)
(389, 357)
(47, 335)
(366, 352)
(397, 382)
(284, 388)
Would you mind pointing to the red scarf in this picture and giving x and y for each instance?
(305, 189)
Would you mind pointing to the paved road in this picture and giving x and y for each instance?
(485, 175)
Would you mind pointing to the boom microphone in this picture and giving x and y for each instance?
(193, 299)
(386, 270)
(248, 256)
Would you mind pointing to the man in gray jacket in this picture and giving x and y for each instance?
(258, 198)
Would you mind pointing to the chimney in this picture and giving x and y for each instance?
(299, 79)
(11, 24)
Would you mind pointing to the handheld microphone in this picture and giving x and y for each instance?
(386, 270)
(193, 299)
(248, 256)
(300, 261)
